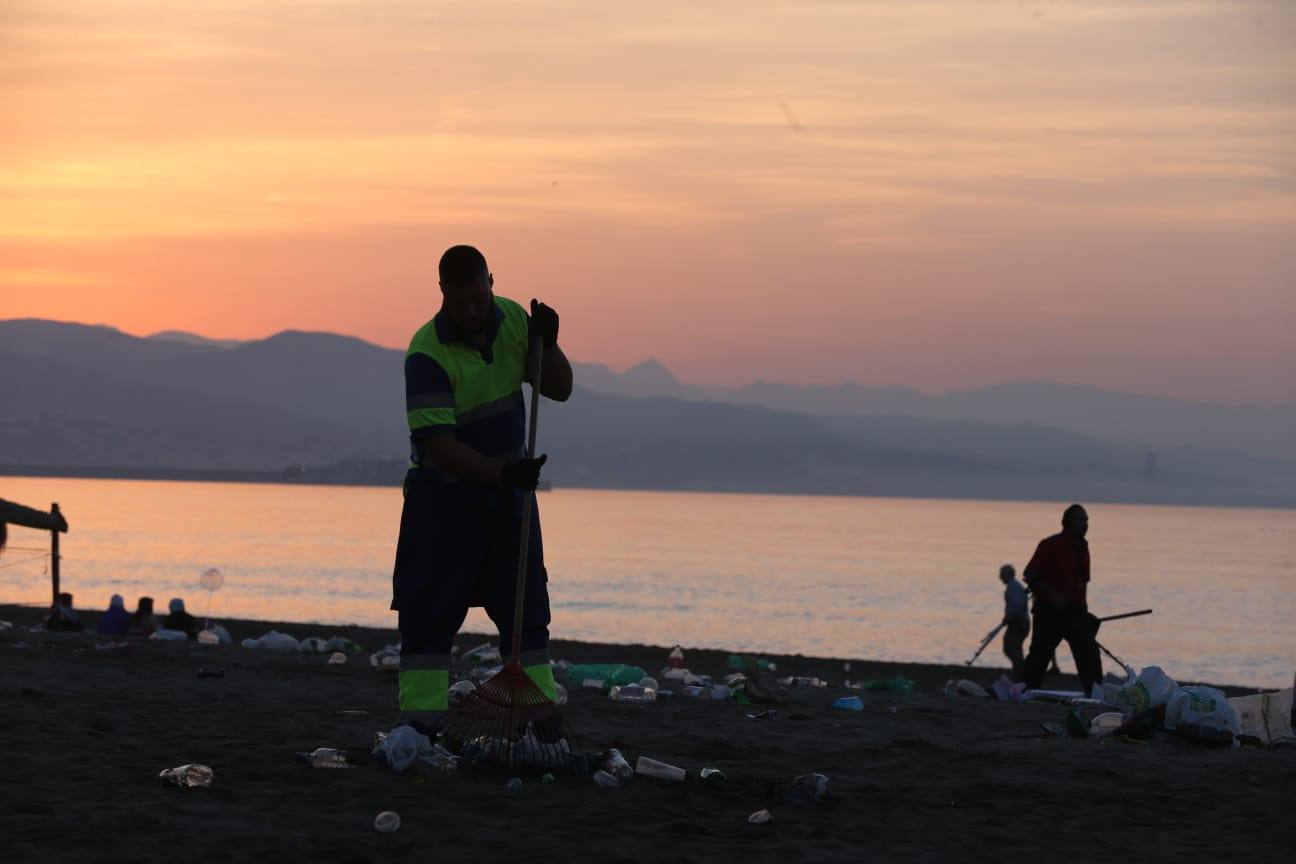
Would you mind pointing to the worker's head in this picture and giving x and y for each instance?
(1006, 573)
(176, 606)
(466, 284)
(1075, 521)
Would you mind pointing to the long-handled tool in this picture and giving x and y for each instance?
(1126, 615)
(986, 641)
(508, 719)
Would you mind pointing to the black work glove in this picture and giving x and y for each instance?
(522, 474)
(544, 323)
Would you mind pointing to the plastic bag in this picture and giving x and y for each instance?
(1151, 688)
(1204, 706)
(273, 641)
(608, 673)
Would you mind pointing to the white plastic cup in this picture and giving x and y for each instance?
(660, 770)
(387, 821)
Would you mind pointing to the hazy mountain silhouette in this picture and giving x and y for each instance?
(1107, 414)
(92, 397)
(194, 339)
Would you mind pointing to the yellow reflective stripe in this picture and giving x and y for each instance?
(424, 689)
(425, 417)
(542, 675)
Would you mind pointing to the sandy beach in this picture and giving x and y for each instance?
(919, 776)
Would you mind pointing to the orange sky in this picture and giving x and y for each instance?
(935, 194)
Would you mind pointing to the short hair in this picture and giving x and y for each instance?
(1007, 568)
(1070, 512)
(461, 265)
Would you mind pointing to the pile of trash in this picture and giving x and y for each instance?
(276, 641)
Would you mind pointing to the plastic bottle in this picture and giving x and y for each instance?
(616, 765)
(632, 693)
(387, 821)
(676, 659)
(187, 775)
(649, 683)
(324, 757)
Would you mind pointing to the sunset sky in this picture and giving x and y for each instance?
(933, 194)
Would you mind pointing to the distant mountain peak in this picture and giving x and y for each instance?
(186, 338)
(650, 370)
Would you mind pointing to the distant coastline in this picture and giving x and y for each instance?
(391, 474)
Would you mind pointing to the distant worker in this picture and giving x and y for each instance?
(143, 621)
(116, 621)
(1058, 576)
(179, 619)
(1016, 619)
(458, 544)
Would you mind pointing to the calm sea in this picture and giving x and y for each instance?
(879, 578)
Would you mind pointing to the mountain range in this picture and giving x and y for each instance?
(89, 399)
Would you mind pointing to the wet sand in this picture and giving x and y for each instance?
(86, 731)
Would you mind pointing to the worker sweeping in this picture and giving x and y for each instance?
(459, 534)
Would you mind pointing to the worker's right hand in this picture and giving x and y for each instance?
(522, 474)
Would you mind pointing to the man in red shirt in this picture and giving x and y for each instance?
(1058, 576)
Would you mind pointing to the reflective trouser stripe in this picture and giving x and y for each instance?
(542, 675)
(424, 689)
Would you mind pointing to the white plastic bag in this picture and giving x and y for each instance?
(1152, 688)
(170, 635)
(1204, 705)
(274, 641)
(312, 645)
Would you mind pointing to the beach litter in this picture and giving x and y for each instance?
(603, 778)
(659, 770)
(604, 675)
(209, 637)
(898, 684)
(711, 774)
(404, 747)
(808, 788)
(802, 681)
(483, 655)
(164, 635)
(386, 660)
(460, 690)
(1007, 690)
(352, 712)
(6, 625)
(337, 658)
(616, 766)
(764, 715)
(325, 757)
(632, 693)
(273, 641)
(849, 703)
(560, 694)
(209, 673)
(1265, 717)
(964, 687)
(387, 822)
(760, 817)
(187, 775)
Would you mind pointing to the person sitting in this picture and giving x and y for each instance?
(143, 622)
(180, 620)
(116, 621)
(62, 616)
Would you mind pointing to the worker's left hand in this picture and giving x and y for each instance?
(544, 323)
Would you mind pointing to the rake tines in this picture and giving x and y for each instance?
(508, 720)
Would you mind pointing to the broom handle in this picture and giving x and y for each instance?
(528, 498)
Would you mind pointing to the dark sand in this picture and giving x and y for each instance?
(85, 733)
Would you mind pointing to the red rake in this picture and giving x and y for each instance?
(508, 720)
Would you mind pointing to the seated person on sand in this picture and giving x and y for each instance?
(116, 621)
(180, 620)
(62, 616)
(143, 622)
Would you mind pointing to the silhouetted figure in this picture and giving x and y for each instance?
(143, 622)
(1058, 576)
(116, 621)
(1016, 619)
(180, 620)
(62, 616)
(459, 544)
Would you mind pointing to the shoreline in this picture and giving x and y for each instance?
(929, 676)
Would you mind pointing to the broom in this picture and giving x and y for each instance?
(508, 719)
